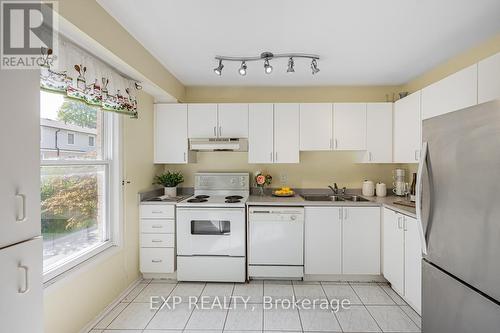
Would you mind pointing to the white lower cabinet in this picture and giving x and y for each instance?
(403, 256)
(157, 238)
(342, 240)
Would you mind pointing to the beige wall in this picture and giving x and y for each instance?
(73, 302)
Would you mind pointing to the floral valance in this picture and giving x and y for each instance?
(79, 75)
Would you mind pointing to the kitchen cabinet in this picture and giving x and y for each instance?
(361, 240)
(407, 129)
(286, 133)
(342, 240)
(452, 93)
(378, 133)
(323, 240)
(316, 121)
(349, 126)
(393, 250)
(233, 120)
(488, 75)
(171, 134)
(261, 133)
(413, 264)
(202, 121)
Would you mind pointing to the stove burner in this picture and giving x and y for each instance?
(234, 197)
(203, 196)
(197, 200)
(232, 200)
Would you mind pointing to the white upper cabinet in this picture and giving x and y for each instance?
(378, 133)
(233, 120)
(452, 93)
(286, 133)
(393, 249)
(171, 134)
(202, 121)
(261, 133)
(489, 79)
(407, 129)
(316, 126)
(349, 126)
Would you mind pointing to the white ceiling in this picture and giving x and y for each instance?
(361, 42)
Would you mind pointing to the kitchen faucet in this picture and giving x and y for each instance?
(336, 190)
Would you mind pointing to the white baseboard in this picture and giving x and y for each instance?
(104, 312)
(345, 278)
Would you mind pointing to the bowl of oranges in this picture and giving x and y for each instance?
(284, 192)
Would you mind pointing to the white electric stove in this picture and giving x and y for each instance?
(211, 229)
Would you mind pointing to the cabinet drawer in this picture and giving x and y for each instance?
(157, 240)
(157, 211)
(157, 260)
(158, 226)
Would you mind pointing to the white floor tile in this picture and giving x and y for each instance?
(253, 291)
(413, 315)
(268, 282)
(200, 331)
(135, 316)
(392, 294)
(122, 331)
(171, 318)
(241, 318)
(187, 289)
(164, 281)
(318, 320)
(162, 331)
(300, 282)
(134, 292)
(226, 331)
(356, 319)
(311, 292)
(278, 290)
(341, 291)
(108, 318)
(221, 291)
(154, 290)
(372, 294)
(392, 319)
(95, 331)
(207, 319)
(279, 319)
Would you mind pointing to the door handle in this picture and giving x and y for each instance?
(335, 144)
(416, 154)
(215, 130)
(156, 261)
(26, 287)
(370, 156)
(220, 131)
(399, 222)
(345, 214)
(157, 241)
(418, 197)
(271, 154)
(340, 214)
(331, 143)
(156, 226)
(405, 224)
(184, 157)
(276, 159)
(21, 210)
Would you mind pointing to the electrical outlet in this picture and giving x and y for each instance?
(283, 178)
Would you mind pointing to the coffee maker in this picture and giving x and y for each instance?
(399, 184)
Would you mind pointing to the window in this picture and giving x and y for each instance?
(78, 183)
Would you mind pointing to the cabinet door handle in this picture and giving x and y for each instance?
(156, 241)
(215, 130)
(276, 159)
(331, 143)
(335, 143)
(26, 287)
(156, 226)
(184, 157)
(399, 222)
(345, 214)
(21, 211)
(220, 131)
(271, 156)
(340, 213)
(370, 156)
(417, 153)
(405, 222)
(156, 261)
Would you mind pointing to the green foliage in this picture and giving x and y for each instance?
(78, 113)
(169, 179)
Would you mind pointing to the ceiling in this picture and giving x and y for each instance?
(361, 42)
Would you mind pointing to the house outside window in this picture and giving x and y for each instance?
(91, 141)
(71, 139)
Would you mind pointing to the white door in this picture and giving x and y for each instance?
(393, 249)
(349, 126)
(413, 264)
(316, 126)
(260, 133)
(202, 121)
(407, 129)
(361, 240)
(171, 141)
(323, 240)
(233, 120)
(452, 93)
(378, 133)
(488, 76)
(21, 294)
(20, 147)
(286, 133)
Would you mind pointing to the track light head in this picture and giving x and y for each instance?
(314, 67)
(243, 68)
(218, 69)
(267, 67)
(290, 66)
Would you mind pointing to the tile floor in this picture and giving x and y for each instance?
(375, 307)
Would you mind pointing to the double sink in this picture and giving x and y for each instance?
(323, 197)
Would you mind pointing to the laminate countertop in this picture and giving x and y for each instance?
(297, 200)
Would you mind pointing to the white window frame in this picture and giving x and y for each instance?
(67, 138)
(112, 153)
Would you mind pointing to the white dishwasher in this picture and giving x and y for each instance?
(276, 242)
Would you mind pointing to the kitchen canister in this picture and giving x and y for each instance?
(368, 188)
(381, 190)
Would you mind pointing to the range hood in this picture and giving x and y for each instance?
(219, 144)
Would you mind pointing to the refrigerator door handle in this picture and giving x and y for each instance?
(26, 287)
(418, 199)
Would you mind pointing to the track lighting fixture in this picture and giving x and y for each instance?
(314, 67)
(267, 67)
(266, 57)
(243, 68)
(290, 68)
(218, 69)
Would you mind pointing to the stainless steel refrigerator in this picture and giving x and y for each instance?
(458, 204)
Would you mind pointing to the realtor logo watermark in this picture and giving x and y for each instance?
(26, 28)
